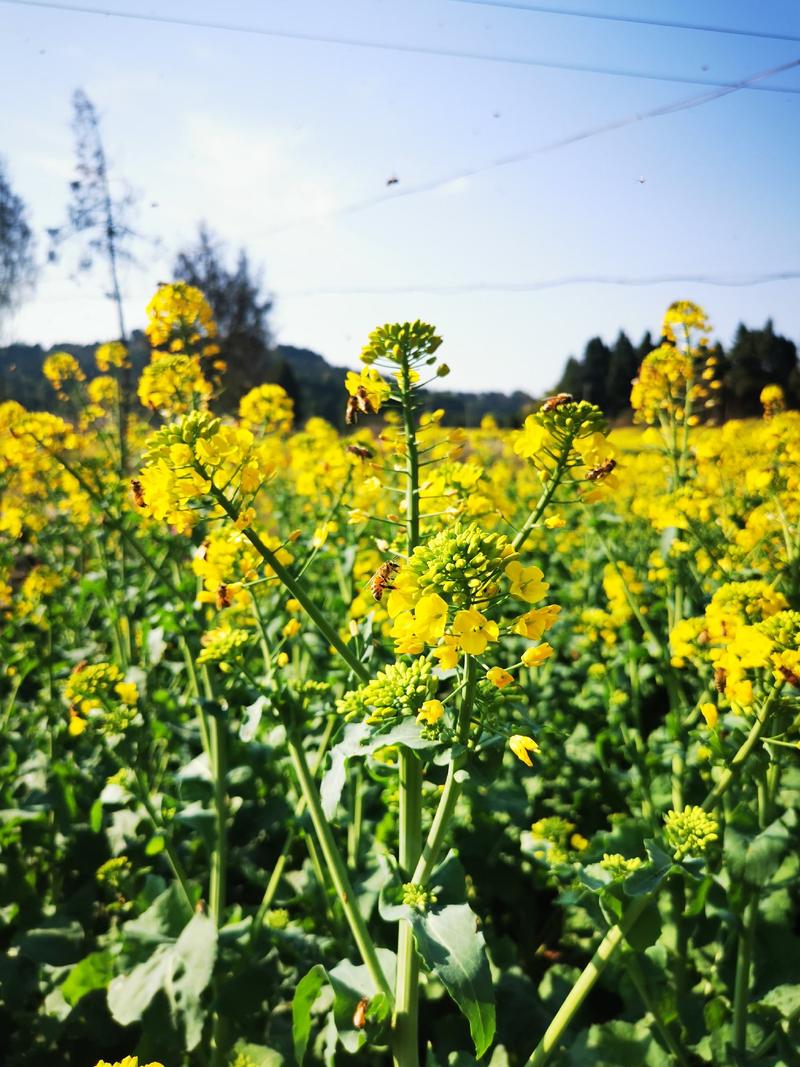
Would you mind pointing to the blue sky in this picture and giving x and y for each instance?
(268, 138)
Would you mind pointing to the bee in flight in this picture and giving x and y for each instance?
(382, 579)
(360, 451)
(556, 401)
(602, 471)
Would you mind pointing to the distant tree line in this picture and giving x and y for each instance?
(756, 357)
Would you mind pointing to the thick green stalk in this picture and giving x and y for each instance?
(405, 1022)
(744, 956)
(545, 498)
(640, 983)
(338, 870)
(452, 786)
(616, 934)
(405, 1041)
(219, 770)
(298, 590)
(585, 983)
(280, 865)
(744, 751)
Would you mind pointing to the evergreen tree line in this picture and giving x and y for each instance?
(756, 357)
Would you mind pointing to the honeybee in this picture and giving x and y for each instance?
(602, 471)
(360, 451)
(382, 578)
(360, 404)
(360, 1014)
(138, 493)
(223, 597)
(720, 679)
(556, 401)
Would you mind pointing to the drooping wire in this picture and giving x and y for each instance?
(635, 20)
(387, 46)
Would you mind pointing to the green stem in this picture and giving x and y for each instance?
(744, 956)
(637, 977)
(338, 870)
(280, 865)
(744, 751)
(545, 498)
(169, 847)
(616, 934)
(297, 589)
(586, 982)
(219, 770)
(405, 1040)
(452, 786)
(404, 1024)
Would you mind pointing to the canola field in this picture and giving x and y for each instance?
(412, 746)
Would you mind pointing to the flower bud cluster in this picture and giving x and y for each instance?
(224, 646)
(400, 343)
(460, 563)
(618, 866)
(690, 831)
(402, 689)
(98, 693)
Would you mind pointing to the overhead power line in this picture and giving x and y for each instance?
(386, 46)
(684, 104)
(726, 281)
(636, 20)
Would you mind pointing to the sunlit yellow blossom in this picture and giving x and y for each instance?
(532, 657)
(526, 582)
(60, 368)
(473, 631)
(536, 622)
(500, 677)
(522, 745)
(112, 354)
(430, 712)
(710, 714)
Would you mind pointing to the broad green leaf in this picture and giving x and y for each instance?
(361, 740)
(785, 999)
(163, 920)
(351, 984)
(646, 930)
(93, 972)
(450, 945)
(754, 858)
(258, 1055)
(57, 946)
(305, 995)
(615, 1044)
(181, 969)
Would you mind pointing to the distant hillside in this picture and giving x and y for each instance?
(316, 386)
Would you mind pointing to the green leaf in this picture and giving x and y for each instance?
(351, 984)
(93, 972)
(785, 999)
(163, 920)
(648, 878)
(361, 740)
(57, 946)
(754, 858)
(182, 970)
(614, 1044)
(306, 993)
(646, 930)
(258, 1055)
(451, 946)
